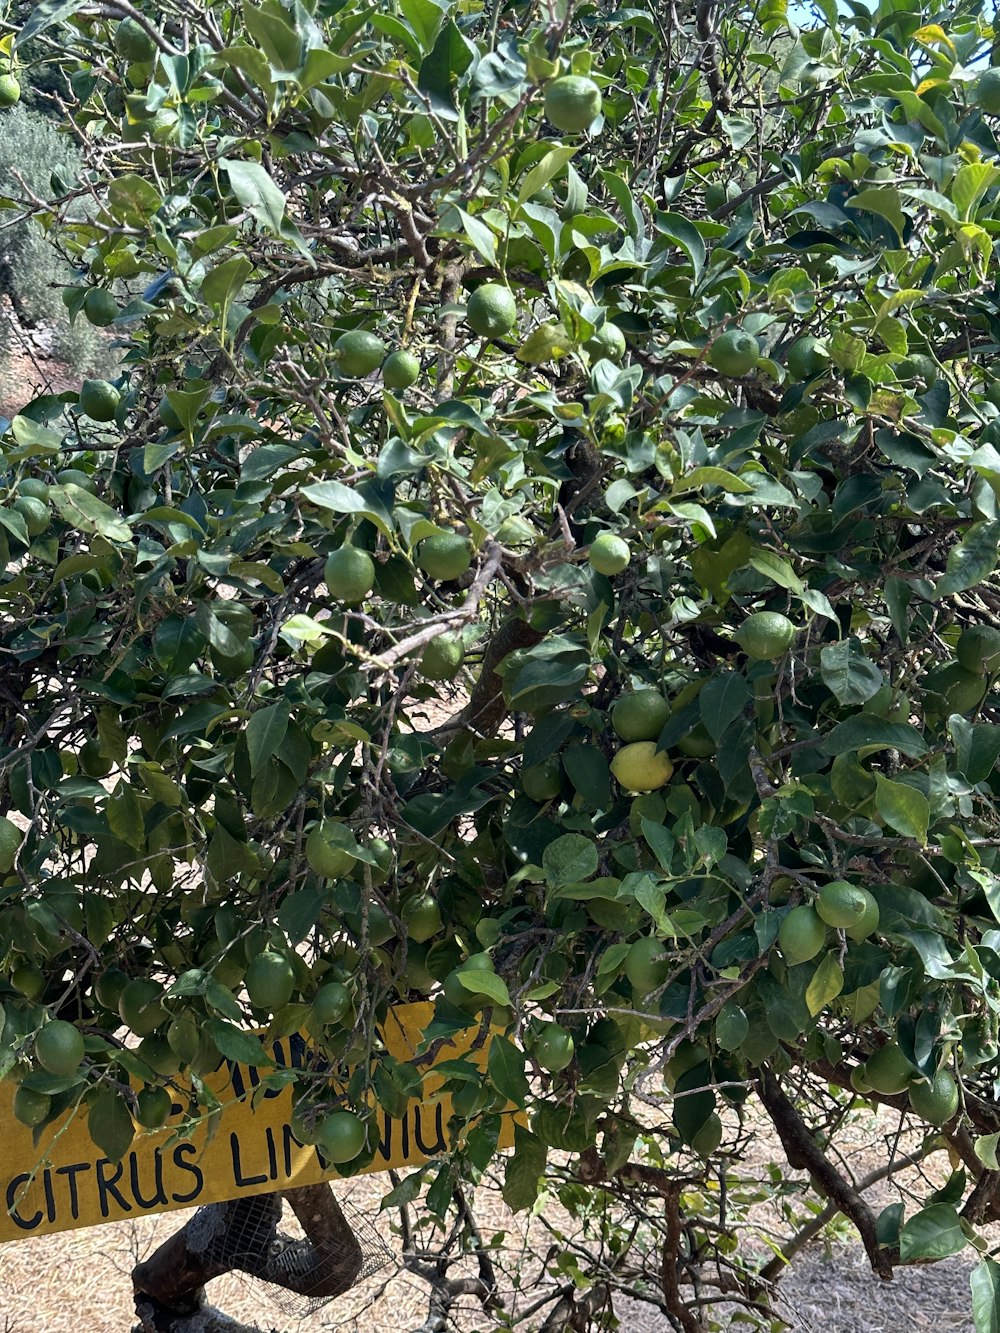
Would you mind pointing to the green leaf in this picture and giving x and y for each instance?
(237, 1044)
(262, 199)
(506, 1065)
(972, 560)
(933, 1233)
(264, 734)
(483, 240)
(87, 513)
(425, 18)
(777, 569)
(350, 500)
(731, 1026)
(984, 1280)
(523, 1170)
(722, 700)
(865, 729)
(826, 984)
(882, 200)
(848, 672)
(543, 171)
(968, 186)
(442, 69)
(903, 808)
(590, 775)
(478, 981)
(110, 1124)
(569, 859)
(125, 815)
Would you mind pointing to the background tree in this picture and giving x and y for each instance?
(644, 421)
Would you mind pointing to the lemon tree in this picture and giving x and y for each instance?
(538, 556)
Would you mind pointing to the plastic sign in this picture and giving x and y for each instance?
(64, 1182)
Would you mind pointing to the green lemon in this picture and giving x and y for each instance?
(491, 310)
(35, 513)
(978, 649)
(868, 923)
(542, 782)
(609, 554)
(59, 1048)
(697, 743)
(707, 1138)
(109, 986)
(140, 1007)
(766, 635)
(806, 357)
(641, 767)
(349, 575)
(608, 342)
(152, 1107)
(133, 42)
(801, 935)
(31, 1108)
(841, 905)
(29, 980)
(93, 761)
(421, 916)
(157, 1052)
(33, 487)
(987, 92)
(734, 353)
(935, 1100)
(992, 391)
(325, 851)
(10, 90)
(401, 369)
(99, 400)
(554, 1048)
(445, 555)
(331, 1003)
(358, 353)
(11, 838)
(646, 965)
(340, 1136)
(956, 689)
(918, 366)
(73, 476)
(269, 980)
(640, 716)
(100, 307)
(888, 1071)
(184, 1038)
(572, 103)
(443, 657)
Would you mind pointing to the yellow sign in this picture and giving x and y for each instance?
(64, 1182)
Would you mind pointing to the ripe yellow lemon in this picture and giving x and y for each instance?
(572, 103)
(640, 716)
(641, 766)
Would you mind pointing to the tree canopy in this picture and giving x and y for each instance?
(539, 555)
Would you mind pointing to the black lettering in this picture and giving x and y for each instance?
(106, 1187)
(272, 1152)
(405, 1122)
(238, 1177)
(438, 1147)
(133, 1170)
(72, 1172)
(385, 1141)
(298, 1051)
(196, 1171)
(236, 1078)
(288, 1143)
(26, 1224)
(50, 1198)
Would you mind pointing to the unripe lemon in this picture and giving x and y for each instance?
(766, 635)
(987, 94)
(358, 353)
(641, 766)
(133, 42)
(868, 923)
(152, 1107)
(608, 342)
(609, 554)
(935, 1100)
(31, 1108)
(806, 357)
(445, 555)
(29, 980)
(341, 1135)
(421, 917)
(35, 513)
(11, 838)
(491, 310)
(542, 782)
(443, 657)
(269, 980)
(324, 853)
(401, 369)
(553, 1048)
(640, 716)
(646, 966)
(888, 1070)
(100, 307)
(734, 353)
(978, 649)
(707, 1139)
(801, 935)
(572, 103)
(841, 904)
(331, 1003)
(59, 1048)
(99, 400)
(139, 1006)
(10, 90)
(349, 575)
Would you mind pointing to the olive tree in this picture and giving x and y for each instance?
(539, 556)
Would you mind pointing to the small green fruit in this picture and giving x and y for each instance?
(443, 657)
(609, 554)
(349, 575)
(100, 307)
(99, 400)
(59, 1048)
(491, 310)
(572, 103)
(358, 353)
(734, 353)
(401, 369)
(444, 556)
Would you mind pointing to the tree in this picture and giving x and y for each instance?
(540, 555)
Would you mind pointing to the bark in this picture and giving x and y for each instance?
(487, 707)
